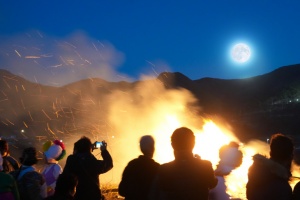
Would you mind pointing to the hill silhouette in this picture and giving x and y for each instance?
(255, 107)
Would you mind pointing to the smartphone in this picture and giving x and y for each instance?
(98, 144)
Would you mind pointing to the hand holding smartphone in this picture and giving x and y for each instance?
(98, 144)
(102, 145)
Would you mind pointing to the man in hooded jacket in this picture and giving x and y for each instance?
(268, 178)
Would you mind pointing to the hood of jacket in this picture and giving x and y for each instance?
(272, 166)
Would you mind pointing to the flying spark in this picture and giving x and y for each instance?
(32, 57)
(54, 66)
(18, 53)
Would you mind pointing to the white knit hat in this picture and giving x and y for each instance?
(54, 150)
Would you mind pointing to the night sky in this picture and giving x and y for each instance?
(57, 42)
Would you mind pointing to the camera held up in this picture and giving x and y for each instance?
(97, 145)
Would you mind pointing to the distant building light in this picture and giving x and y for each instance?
(297, 99)
(290, 101)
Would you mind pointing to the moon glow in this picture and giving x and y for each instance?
(240, 53)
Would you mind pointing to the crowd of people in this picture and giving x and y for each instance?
(79, 179)
(187, 177)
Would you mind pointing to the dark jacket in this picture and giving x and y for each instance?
(188, 179)
(30, 183)
(87, 168)
(268, 179)
(137, 178)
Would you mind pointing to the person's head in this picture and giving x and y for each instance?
(183, 139)
(66, 184)
(3, 147)
(29, 156)
(83, 145)
(281, 148)
(54, 151)
(147, 145)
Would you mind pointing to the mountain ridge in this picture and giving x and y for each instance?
(257, 106)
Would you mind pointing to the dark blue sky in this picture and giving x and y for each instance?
(146, 37)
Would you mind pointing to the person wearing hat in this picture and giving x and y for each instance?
(8, 186)
(53, 152)
(31, 184)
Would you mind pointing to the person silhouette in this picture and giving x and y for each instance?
(8, 185)
(31, 184)
(53, 152)
(296, 190)
(9, 163)
(139, 173)
(186, 177)
(87, 168)
(269, 178)
(65, 187)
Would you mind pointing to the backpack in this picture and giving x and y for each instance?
(29, 185)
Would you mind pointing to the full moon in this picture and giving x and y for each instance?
(240, 53)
